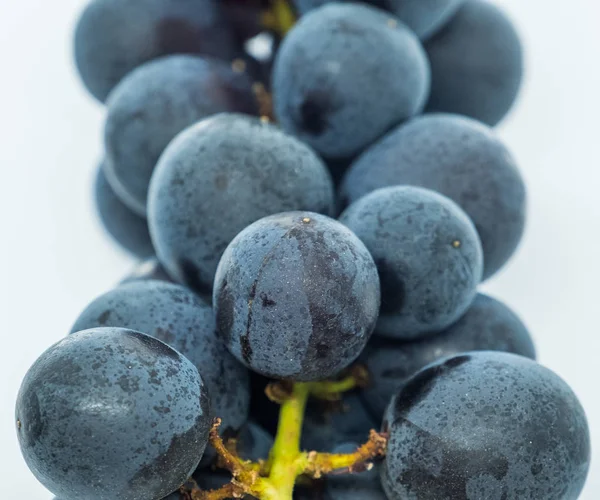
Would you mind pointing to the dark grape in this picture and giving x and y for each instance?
(476, 64)
(488, 325)
(264, 411)
(424, 17)
(428, 256)
(315, 490)
(219, 176)
(355, 486)
(150, 269)
(345, 74)
(296, 296)
(325, 428)
(461, 159)
(245, 17)
(486, 425)
(113, 37)
(176, 316)
(153, 104)
(127, 228)
(253, 442)
(304, 6)
(112, 413)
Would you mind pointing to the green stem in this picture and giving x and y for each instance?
(285, 454)
(275, 479)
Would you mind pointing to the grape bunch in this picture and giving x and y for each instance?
(312, 222)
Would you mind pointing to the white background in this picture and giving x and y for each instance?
(55, 258)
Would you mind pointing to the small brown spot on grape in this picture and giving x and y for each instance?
(264, 119)
(306, 220)
(238, 65)
(392, 23)
(456, 243)
(19, 425)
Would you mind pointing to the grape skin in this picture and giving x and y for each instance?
(488, 325)
(114, 37)
(253, 442)
(155, 102)
(144, 407)
(176, 316)
(344, 75)
(459, 158)
(476, 64)
(324, 429)
(355, 486)
(486, 425)
(424, 17)
(127, 228)
(149, 269)
(296, 296)
(219, 176)
(428, 256)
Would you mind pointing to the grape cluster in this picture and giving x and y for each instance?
(314, 221)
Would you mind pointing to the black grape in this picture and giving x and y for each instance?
(354, 486)
(486, 425)
(296, 296)
(311, 491)
(424, 17)
(149, 269)
(264, 411)
(304, 6)
(127, 228)
(325, 428)
(488, 325)
(112, 413)
(174, 315)
(245, 17)
(476, 64)
(345, 74)
(114, 37)
(153, 104)
(219, 176)
(461, 159)
(428, 256)
(253, 442)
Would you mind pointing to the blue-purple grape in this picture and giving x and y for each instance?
(126, 227)
(428, 255)
(155, 102)
(476, 64)
(488, 325)
(176, 316)
(219, 176)
(113, 37)
(486, 425)
(459, 158)
(345, 74)
(112, 413)
(296, 296)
